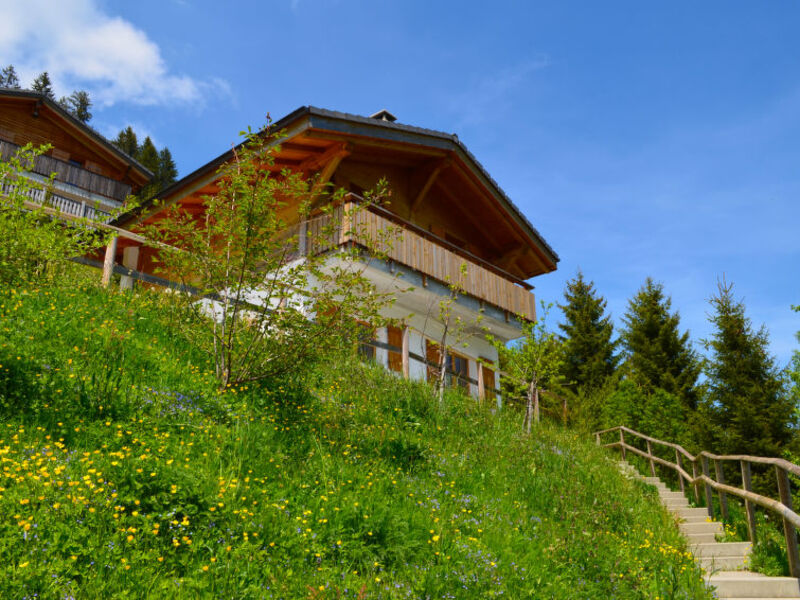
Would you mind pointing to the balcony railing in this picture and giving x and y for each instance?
(424, 252)
(68, 206)
(71, 174)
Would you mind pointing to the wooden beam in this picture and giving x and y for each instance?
(430, 179)
(511, 256)
(334, 154)
(491, 202)
(473, 220)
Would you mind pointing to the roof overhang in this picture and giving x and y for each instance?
(322, 121)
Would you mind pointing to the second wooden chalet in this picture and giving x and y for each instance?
(450, 213)
(91, 177)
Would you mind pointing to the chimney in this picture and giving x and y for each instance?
(384, 115)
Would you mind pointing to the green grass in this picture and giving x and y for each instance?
(125, 473)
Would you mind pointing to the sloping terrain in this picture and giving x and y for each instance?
(124, 473)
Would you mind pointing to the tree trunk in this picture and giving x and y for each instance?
(536, 405)
(529, 407)
(442, 372)
(443, 362)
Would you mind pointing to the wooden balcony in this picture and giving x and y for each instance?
(432, 256)
(63, 204)
(72, 174)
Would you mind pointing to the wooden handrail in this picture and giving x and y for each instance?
(783, 507)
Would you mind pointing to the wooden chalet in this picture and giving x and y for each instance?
(92, 176)
(448, 208)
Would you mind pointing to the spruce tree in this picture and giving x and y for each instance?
(747, 396)
(657, 355)
(589, 352)
(148, 155)
(794, 369)
(127, 142)
(9, 79)
(79, 105)
(160, 163)
(167, 171)
(43, 85)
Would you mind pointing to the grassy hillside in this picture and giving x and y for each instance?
(126, 474)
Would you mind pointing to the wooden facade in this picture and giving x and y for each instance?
(91, 176)
(447, 208)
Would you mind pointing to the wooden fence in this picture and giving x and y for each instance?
(701, 476)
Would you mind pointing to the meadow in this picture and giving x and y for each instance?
(126, 473)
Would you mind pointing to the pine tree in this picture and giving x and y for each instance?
(657, 355)
(9, 79)
(160, 163)
(79, 104)
(43, 85)
(589, 352)
(794, 368)
(167, 171)
(747, 396)
(148, 155)
(127, 142)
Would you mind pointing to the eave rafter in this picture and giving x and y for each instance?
(477, 224)
(325, 164)
(428, 176)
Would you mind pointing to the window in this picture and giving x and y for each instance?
(366, 335)
(457, 365)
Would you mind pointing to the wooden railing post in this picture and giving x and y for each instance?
(792, 553)
(650, 456)
(597, 438)
(108, 263)
(723, 497)
(622, 444)
(695, 482)
(680, 465)
(709, 490)
(748, 506)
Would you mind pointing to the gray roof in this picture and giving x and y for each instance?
(355, 124)
(449, 137)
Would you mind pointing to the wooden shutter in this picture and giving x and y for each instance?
(488, 380)
(395, 338)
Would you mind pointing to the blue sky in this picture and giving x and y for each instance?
(640, 139)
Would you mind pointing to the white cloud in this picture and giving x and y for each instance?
(492, 92)
(82, 46)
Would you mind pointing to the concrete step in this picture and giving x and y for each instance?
(675, 502)
(712, 527)
(727, 549)
(667, 495)
(700, 538)
(683, 513)
(714, 564)
(695, 519)
(743, 584)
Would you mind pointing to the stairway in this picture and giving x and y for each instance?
(724, 562)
